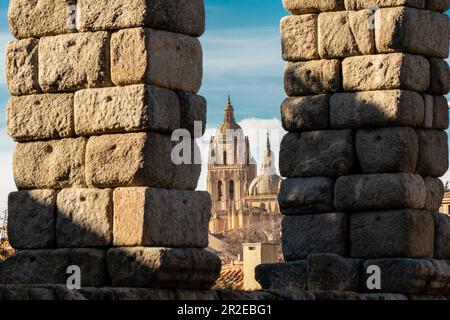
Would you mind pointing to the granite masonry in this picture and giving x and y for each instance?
(98, 87)
(366, 116)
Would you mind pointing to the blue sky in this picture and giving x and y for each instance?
(242, 56)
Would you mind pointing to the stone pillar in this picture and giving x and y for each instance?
(366, 115)
(97, 89)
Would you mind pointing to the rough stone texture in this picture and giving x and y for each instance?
(440, 113)
(299, 37)
(163, 267)
(309, 6)
(40, 116)
(31, 219)
(379, 192)
(412, 30)
(283, 276)
(306, 196)
(84, 218)
(442, 236)
(433, 153)
(50, 267)
(129, 160)
(22, 66)
(345, 33)
(304, 235)
(306, 113)
(387, 150)
(39, 18)
(147, 216)
(316, 153)
(440, 77)
(386, 72)
(187, 173)
(312, 77)
(435, 193)
(400, 234)
(74, 61)
(364, 4)
(126, 109)
(376, 109)
(179, 16)
(439, 282)
(53, 164)
(408, 276)
(437, 5)
(429, 111)
(161, 58)
(193, 109)
(329, 272)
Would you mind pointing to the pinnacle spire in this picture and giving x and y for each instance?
(229, 111)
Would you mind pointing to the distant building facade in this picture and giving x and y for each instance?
(445, 206)
(240, 197)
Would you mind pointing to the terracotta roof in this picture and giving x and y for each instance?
(231, 277)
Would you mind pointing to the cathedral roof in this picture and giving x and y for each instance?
(229, 122)
(268, 182)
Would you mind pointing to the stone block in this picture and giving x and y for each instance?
(299, 37)
(161, 58)
(392, 234)
(379, 192)
(179, 16)
(365, 4)
(345, 33)
(442, 236)
(386, 72)
(22, 66)
(147, 216)
(74, 61)
(376, 109)
(409, 276)
(285, 276)
(439, 282)
(404, 29)
(30, 267)
(84, 218)
(429, 112)
(53, 164)
(166, 268)
(311, 6)
(387, 150)
(312, 77)
(440, 77)
(31, 219)
(40, 18)
(440, 113)
(129, 160)
(331, 272)
(304, 235)
(437, 5)
(316, 153)
(306, 196)
(308, 113)
(126, 109)
(186, 167)
(40, 117)
(433, 153)
(435, 193)
(193, 109)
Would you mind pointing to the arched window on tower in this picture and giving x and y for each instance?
(231, 189)
(219, 191)
(224, 158)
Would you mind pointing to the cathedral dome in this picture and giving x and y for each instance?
(265, 185)
(268, 182)
(229, 123)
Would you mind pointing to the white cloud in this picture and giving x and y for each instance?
(7, 184)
